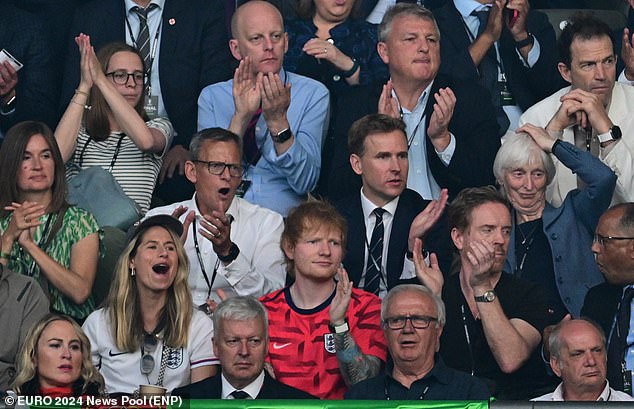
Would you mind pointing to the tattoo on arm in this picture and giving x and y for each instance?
(354, 365)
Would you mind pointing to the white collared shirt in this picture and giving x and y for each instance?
(259, 268)
(154, 19)
(608, 394)
(253, 389)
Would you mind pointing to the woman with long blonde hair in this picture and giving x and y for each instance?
(55, 360)
(148, 332)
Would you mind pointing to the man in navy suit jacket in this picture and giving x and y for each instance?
(526, 50)
(193, 53)
(378, 147)
(241, 344)
(452, 134)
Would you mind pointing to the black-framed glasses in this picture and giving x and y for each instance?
(216, 168)
(147, 360)
(121, 77)
(600, 239)
(417, 321)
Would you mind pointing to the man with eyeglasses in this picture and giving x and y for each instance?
(413, 318)
(232, 245)
(281, 116)
(610, 303)
(182, 44)
(594, 112)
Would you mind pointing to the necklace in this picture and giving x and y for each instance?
(526, 243)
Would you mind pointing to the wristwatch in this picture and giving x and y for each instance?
(338, 329)
(614, 134)
(488, 296)
(233, 254)
(282, 136)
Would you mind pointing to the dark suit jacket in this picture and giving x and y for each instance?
(473, 123)
(211, 388)
(409, 206)
(193, 53)
(601, 305)
(529, 85)
(23, 35)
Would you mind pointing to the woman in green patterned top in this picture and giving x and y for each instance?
(40, 234)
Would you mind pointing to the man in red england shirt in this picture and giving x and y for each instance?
(324, 335)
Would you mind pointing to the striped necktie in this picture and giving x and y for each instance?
(375, 254)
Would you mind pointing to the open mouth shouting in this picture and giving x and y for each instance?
(161, 268)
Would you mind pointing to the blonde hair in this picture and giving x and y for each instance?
(27, 382)
(123, 306)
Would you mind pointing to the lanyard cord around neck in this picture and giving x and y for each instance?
(202, 265)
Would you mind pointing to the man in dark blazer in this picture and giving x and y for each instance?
(608, 303)
(193, 53)
(241, 344)
(527, 50)
(28, 94)
(452, 134)
(378, 147)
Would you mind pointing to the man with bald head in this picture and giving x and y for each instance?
(610, 303)
(578, 356)
(281, 117)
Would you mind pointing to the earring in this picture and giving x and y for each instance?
(132, 272)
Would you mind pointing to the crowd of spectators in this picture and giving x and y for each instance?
(338, 199)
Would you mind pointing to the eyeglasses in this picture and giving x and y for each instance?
(147, 360)
(600, 240)
(417, 321)
(216, 168)
(121, 77)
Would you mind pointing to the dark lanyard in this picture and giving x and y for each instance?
(410, 139)
(497, 60)
(114, 157)
(387, 394)
(31, 270)
(200, 262)
(148, 70)
(468, 338)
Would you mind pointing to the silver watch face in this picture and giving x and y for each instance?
(489, 296)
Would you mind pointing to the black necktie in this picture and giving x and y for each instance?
(618, 339)
(143, 39)
(240, 395)
(375, 254)
(488, 69)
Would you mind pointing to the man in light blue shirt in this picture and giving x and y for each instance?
(282, 117)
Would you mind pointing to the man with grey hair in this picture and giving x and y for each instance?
(451, 144)
(232, 245)
(578, 356)
(241, 343)
(413, 318)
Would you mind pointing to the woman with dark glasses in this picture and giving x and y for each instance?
(148, 333)
(106, 123)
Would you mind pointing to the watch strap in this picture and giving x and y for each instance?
(338, 329)
(234, 251)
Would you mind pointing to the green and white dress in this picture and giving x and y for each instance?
(76, 225)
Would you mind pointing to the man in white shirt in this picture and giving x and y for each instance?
(578, 356)
(232, 244)
(594, 112)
